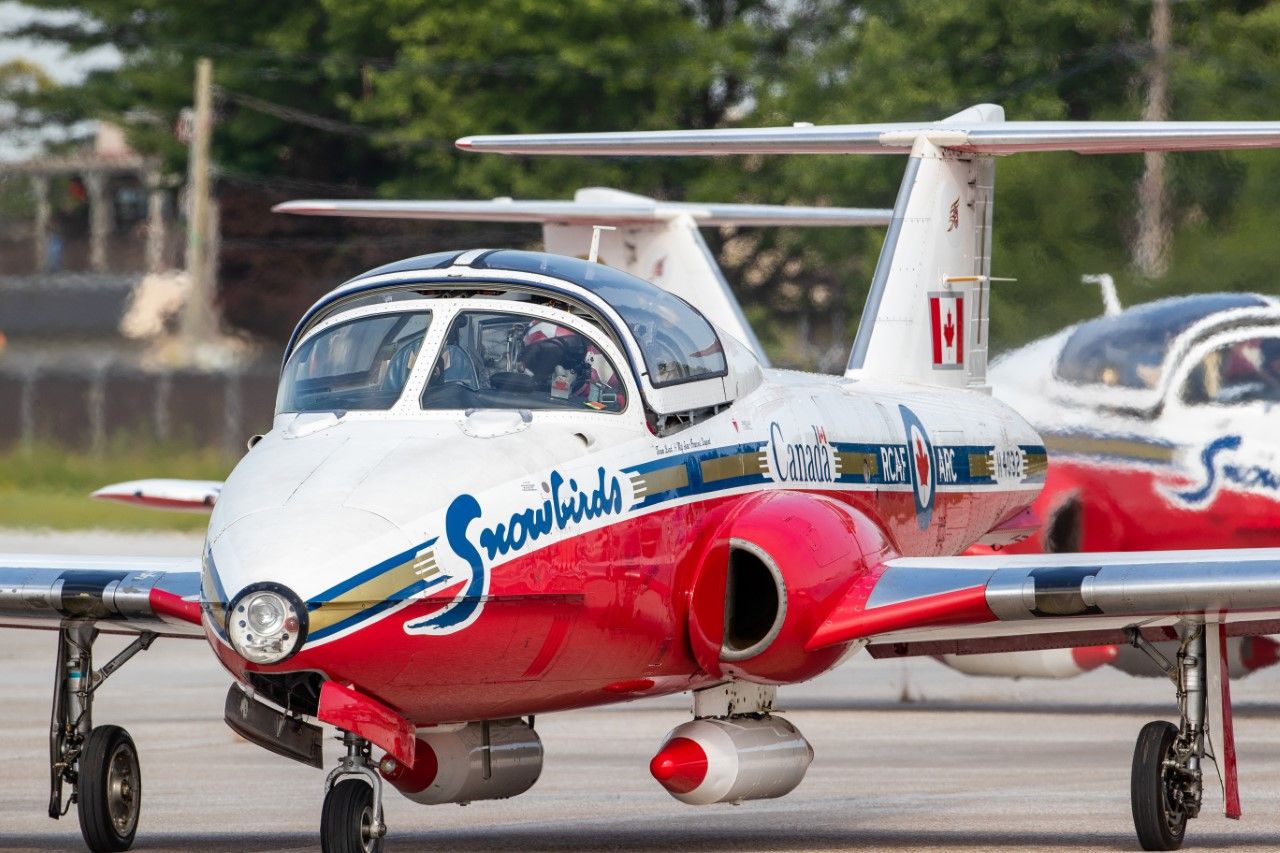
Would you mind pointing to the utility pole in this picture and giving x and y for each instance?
(1151, 249)
(197, 315)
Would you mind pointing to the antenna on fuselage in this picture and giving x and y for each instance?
(595, 240)
(1110, 299)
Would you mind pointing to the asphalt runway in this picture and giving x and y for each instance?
(910, 756)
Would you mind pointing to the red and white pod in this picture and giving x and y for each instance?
(730, 760)
(478, 761)
(1245, 655)
(1042, 663)
(1255, 653)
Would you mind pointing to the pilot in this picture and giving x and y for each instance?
(555, 357)
(1269, 369)
(566, 366)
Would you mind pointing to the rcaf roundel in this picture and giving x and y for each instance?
(920, 462)
(946, 322)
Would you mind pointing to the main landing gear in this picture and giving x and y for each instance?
(351, 819)
(100, 764)
(1166, 785)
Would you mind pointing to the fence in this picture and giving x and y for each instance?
(85, 410)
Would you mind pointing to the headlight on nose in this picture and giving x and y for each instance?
(266, 624)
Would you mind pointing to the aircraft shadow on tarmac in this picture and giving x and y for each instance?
(581, 836)
(1265, 710)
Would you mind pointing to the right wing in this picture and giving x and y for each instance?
(965, 605)
(157, 594)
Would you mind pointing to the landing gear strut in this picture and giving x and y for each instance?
(1167, 781)
(351, 819)
(99, 764)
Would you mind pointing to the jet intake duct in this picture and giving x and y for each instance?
(769, 576)
(490, 760)
(732, 759)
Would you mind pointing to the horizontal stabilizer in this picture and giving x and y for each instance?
(957, 134)
(635, 210)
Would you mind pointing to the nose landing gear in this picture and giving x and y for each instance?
(1166, 785)
(351, 819)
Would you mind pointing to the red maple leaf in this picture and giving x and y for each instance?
(949, 330)
(922, 463)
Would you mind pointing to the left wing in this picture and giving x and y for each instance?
(156, 594)
(964, 605)
(183, 495)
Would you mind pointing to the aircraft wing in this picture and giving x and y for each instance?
(627, 210)
(188, 495)
(959, 605)
(160, 595)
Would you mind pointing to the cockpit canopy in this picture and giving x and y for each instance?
(1132, 349)
(678, 344)
(507, 329)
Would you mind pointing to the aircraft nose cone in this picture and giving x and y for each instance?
(307, 550)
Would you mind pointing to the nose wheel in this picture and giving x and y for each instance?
(351, 818)
(346, 821)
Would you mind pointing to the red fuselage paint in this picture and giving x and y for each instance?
(566, 624)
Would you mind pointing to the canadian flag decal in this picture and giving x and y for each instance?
(946, 321)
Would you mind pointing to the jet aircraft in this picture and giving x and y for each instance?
(1158, 420)
(503, 483)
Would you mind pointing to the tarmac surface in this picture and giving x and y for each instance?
(909, 756)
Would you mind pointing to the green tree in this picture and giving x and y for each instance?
(357, 97)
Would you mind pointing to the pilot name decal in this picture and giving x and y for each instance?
(558, 511)
(803, 461)
(1221, 468)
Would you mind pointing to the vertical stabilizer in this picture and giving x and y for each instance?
(925, 319)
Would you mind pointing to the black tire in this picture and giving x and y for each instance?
(346, 821)
(1161, 822)
(109, 789)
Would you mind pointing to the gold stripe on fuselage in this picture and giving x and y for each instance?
(373, 591)
(674, 476)
(1083, 445)
(853, 463)
(729, 467)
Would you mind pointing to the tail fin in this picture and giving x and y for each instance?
(657, 241)
(936, 256)
(926, 314)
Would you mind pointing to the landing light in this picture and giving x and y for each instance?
(265, 625)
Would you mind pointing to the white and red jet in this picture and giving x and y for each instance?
(450, 528)
(1160, 422)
